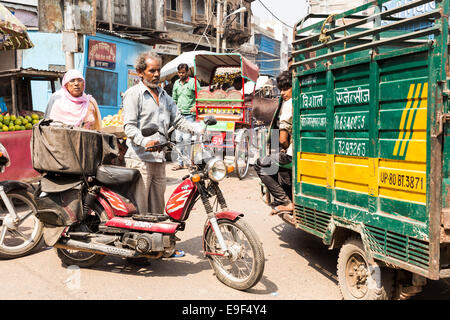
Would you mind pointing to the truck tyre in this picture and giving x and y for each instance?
(358, 280)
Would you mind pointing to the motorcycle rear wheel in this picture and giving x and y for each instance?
(244, 267)
(79, 258)
(25, 234)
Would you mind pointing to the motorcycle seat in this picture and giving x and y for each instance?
(115, 175)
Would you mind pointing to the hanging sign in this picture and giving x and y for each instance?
(102, 54)
(168, 49)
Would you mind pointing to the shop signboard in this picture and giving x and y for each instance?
(102, 54)
(167, 49)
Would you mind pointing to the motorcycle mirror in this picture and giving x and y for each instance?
(210, 120)
(150, 130)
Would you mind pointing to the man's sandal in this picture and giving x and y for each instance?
(277, 210)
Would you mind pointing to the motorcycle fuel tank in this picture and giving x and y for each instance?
(177, 205)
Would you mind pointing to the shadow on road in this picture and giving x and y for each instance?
(38, 249)
(269, 287)
(168, 267)
(324, 261)
(309, 247)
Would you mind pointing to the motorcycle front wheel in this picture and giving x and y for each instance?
(243, 265)
(19, 236)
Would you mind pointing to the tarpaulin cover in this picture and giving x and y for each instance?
(61, 148)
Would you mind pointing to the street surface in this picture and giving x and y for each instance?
(298, 266)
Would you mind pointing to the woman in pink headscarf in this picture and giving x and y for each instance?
(71, 105)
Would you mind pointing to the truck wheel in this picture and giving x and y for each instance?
(357, 280)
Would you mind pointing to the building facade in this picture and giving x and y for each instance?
(124, 28)
(191, 23)
(273, 48)
(107, 64)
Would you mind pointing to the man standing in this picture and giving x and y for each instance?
(143, 104)
(279, 183)
(184, 96)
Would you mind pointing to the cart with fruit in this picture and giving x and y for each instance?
(18, 116)
(231, 136)
(114, 124)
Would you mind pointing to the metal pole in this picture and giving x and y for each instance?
(70, 60)
(68, 26)
(110, 15)
(13, 96)
(219, 26)
(225, 14)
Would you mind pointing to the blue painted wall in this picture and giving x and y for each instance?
(126, 54)
(47, 51)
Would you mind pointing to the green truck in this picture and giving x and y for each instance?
(372, 144)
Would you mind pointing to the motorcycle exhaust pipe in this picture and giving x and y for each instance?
(96, 248)
(104, 249)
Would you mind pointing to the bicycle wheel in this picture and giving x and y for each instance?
(241, 156)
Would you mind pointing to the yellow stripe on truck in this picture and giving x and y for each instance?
(403, 119)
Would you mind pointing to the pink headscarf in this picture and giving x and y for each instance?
(70, 110)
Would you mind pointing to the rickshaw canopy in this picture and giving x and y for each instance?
(206, 64)
(171, 68)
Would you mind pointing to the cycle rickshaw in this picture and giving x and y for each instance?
(232, 108)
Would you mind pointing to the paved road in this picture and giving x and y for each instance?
(298, 266)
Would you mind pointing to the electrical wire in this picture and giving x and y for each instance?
(273, 15)
(204, 35)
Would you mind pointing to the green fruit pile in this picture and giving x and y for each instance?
(17, 123)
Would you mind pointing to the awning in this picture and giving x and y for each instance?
(13, 34)
(170, 69)
(206, 64)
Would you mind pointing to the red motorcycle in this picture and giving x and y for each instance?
(109, 223)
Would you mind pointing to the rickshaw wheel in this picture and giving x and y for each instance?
(241, 156)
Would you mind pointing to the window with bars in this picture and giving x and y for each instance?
(173, 9)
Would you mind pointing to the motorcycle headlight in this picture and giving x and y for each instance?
(216, 170)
